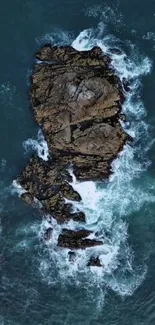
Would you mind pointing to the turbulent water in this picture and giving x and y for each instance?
(37, 283)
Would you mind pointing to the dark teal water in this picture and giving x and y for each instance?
(35, 286)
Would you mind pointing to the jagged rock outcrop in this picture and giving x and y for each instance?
(76, 99)
(48, 183)
(77, 239)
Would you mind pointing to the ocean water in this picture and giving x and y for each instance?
(37, 283)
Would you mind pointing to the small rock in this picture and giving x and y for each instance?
(78, 216)
(48, 233)
(95, 261)
(71, 256)
(27, 197)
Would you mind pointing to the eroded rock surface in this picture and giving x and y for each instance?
(76, 99)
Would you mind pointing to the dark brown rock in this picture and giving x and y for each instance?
(95, 261)
(76, 234)
(76, 99)
(72, 256)
(77, 239)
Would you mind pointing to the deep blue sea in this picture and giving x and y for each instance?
(37, 285)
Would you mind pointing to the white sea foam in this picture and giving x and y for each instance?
(17, 188)
(150, 36)
(28, 75)
(105, 14)
(39, 146)
(106, 205)
(58, 37)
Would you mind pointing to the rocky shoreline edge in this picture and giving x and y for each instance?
(76, 99)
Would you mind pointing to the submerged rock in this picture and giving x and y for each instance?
(28, 198)
(76, 99)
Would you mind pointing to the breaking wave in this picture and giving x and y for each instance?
(38, 145)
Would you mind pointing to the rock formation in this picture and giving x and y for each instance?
(76, 100)
(78, 239)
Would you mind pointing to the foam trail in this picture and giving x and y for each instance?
(39, 146)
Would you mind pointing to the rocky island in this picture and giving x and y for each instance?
(76, 99)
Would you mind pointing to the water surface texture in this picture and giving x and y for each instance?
(37, 286)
